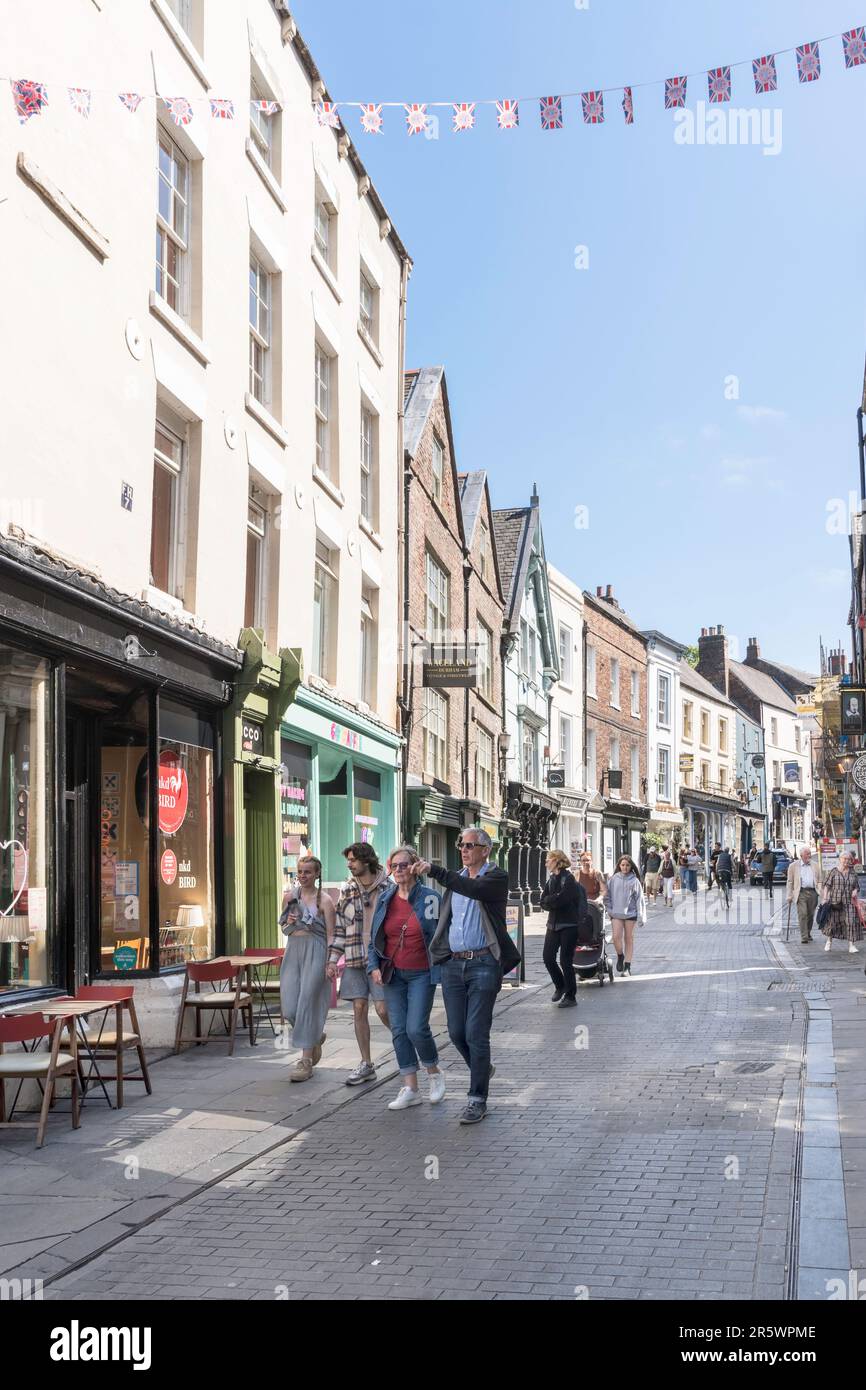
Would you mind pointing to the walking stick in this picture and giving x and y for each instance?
(788, 923)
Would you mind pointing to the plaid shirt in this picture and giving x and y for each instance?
(349, 929)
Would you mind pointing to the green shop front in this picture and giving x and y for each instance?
(339, 784)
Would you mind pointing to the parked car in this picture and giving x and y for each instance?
(783, 861)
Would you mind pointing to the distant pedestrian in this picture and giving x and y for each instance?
(626, 904)
(768, 869)
(566, 905)
(714, 854)
(404, 923)
(307, 921)
(694, 862)
(724, 869)
(841, 888)
(354, 920)
(651, 874)
(683, 866)
(667, 875)
(593, 883)
(474, 949)
(803, 885)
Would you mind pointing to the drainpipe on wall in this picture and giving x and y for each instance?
(403, 484)
(467, 571)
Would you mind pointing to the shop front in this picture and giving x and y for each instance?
(710, 820)
(624, 824)
(110, 809)
(341, 784)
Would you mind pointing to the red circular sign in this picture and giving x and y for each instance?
(173, 793)
(168, 867)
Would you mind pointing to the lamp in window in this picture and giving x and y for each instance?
(190, 916)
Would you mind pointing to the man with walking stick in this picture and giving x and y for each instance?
(804, 884)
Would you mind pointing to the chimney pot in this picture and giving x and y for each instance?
(598, 591)
(703, 632)
(609, 591)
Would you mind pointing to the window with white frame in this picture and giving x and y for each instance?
(485, 555)
(566, 756)
(688, 720)
(705, 728)
(263, 123)
(797, 738)
(367, 688)
(635, 693)
(705, 776)
(324, 372)
(436, 583)
(777, 774)
(614, 683)
(663, 775)
(173, 225)
(590, 672)
(369, 424)
(591, 773)
(324, 238)
(635, 773)
(530, 755)
(613, 758)
(260, 330)
(324, 609)
(167, 512)
(438, 464)
(182, 11)
(566, 652)
(368, 307)
(664, 709)
(723, 735)
(723, 779)
(484, 783)
(774, 731)
(435, 734)
(257, 537)
(485, 660)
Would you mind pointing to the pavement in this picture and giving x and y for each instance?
(697, 1131)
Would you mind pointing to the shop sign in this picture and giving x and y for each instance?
(858, 772)
(173, 793)
(687, 762)
(251, 736)
(125, 957)
(168, 867)
(347, 738)
(792, 772)
(187, 878)
(449, 666)
(556, 776)
(491, 828)
(757, 760)
(852, 711)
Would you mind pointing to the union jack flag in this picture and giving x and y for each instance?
(675, 92)
(551, 113)
(371, 119)
(179, 109)
(29, 98)
(854, 46)
(326, 115)
(593, 107)
(416, 118)
(131, 100)
(719, 84)
(464, 116)
(764, 71)
(808, 62)
(79, 100)
(507, 114)
(628, 106)
(270, 108)
(222, 108)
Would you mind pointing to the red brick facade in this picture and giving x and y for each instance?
(610, 634)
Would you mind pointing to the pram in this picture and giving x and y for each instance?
(590, 953)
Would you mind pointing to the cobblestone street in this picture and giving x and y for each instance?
(652, 1155)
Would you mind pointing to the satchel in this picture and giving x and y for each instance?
(822, 914)
(386, 969)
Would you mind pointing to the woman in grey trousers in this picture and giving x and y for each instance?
(307, 921)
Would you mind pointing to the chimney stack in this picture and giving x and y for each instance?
(609, 592)
(713, 657)
(598, 591)
(753, 652)
(838, 663)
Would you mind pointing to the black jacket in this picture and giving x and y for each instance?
(491, 891)
(565, 900)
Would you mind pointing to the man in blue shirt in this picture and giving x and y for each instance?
(474, 949)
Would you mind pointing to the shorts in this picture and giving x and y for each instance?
(356, 984)
(651, 882)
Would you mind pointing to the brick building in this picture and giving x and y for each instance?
(615, 681)
(453, 595)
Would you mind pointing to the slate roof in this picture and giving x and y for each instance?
(422, 388)
(695, 681)
(471, 500)
(762, 686)
(511, 527)
(611, 610)
(802, 678)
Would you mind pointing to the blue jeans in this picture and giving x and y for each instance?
(469, 989)
(409, 997)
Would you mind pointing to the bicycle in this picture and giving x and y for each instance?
(723, 878)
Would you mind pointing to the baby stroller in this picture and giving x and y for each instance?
(590, 953)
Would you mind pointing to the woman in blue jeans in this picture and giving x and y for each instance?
(398, 957)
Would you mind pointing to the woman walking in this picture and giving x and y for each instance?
(843, 922)
(307, 921)
(566, 904)
(593, 883)
(667, 874)
(683, 866)
(398, 957)
(626, 905)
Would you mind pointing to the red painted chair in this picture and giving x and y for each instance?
(113, 1039)
(33, 1064)
(236, 1001)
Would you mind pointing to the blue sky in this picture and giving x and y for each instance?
(610, 386)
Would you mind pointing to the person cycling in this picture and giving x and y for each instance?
(724, 870)
(716, 851)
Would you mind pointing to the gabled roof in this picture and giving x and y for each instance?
(797, 678)
(663, 637)
(421, 389)
(511, 526)
(763, 687)
(695, 681)
(475, 502)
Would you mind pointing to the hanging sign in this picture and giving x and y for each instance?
(173, 793)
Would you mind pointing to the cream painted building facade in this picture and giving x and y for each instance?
(566, 715)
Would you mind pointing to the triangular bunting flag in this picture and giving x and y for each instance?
(270, 108)
(79, 100)
(507, 114)
(764, 72)
(464, 116)
(719, 84)
(854, 46)
(131, 100)
(551, 113)
(628, 106)
(371, 119)
(222, 108)
(593, 107)
(675, 92)
(29, 98)
(808, 62)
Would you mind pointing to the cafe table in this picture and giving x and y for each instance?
(256, 982)
(76, 1011)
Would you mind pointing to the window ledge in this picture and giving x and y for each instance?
(182, 40)
(327, 486)
(181, 330)
(266, 419)
(166, 603)
(370, 346)
(62, 206)
(265, 175)
(326, 273)
(370, 531)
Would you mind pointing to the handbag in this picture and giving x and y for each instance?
(822, 914)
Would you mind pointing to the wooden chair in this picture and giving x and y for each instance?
(113, 1039)
(38, 1065)
(236, 1000)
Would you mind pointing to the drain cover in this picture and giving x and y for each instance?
(751, 1068)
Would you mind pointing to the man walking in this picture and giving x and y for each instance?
(651, 874)
(694, 861)
(667, 874)
(472, 945)
(355, 908)
(768, 868)
(804, 884)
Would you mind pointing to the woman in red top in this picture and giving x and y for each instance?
(406, 916)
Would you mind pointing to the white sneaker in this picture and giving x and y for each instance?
(852, 949)
(829, 943)
(405, 1098)
(437, 1087)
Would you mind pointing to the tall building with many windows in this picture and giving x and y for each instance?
(200, 470)
(567, 714)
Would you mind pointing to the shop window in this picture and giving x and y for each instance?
(187, 833)
(297, 775)
(367, 813)
(124, 870)
(26, 926)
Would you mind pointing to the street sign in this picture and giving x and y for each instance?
(858, 772)
(556, 776)
(757, 760)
